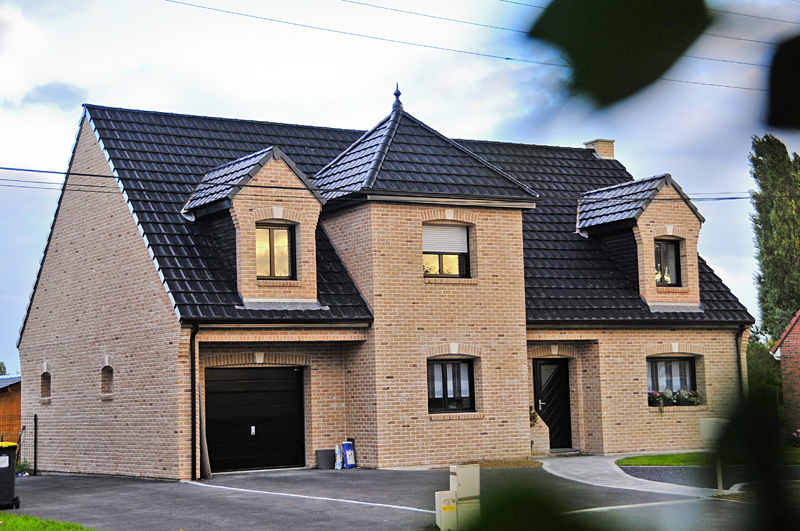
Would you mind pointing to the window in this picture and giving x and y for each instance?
(106, 380)
(671, 381)
(45, 391)
(275, 251)
(450, 386)
(445, 251)
(668, 263)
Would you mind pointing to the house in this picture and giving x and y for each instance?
(10, 407)
(787, 350)
(244, 293)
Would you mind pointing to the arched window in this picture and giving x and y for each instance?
(106, 380)
(45, 386)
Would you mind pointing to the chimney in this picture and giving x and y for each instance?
(603, 147)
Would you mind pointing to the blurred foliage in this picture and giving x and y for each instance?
(2, 368)
(763, 371)
(776, 224)
(619, 47)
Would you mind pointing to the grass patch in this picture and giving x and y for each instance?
(31, 523)
(791, 456)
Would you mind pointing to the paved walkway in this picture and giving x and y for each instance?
(602, 471)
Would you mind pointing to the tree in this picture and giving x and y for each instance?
(2, 368)
(776, 224)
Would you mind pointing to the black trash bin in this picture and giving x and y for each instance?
(8, 475)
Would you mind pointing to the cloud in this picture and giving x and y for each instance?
(65, 96)
(50, 8)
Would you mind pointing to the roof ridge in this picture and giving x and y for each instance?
(629, 183)
(375, 166)
(352, 146)
(89, 106)
(527, 189)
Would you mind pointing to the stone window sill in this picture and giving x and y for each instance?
(448, 280)
(672, 289)
(105, 397)
(44, 400)
(678, 409)
(470, 415)
(278, 283)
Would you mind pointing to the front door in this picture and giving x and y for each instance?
(551, 399)
(254, 418)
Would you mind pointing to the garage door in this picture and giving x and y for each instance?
(254, 418)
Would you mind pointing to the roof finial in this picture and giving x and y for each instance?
(397, 105)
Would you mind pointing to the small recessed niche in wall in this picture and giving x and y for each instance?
(45, 388)
(107, 380)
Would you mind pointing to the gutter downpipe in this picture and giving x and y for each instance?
(193, 392)
(738, 340)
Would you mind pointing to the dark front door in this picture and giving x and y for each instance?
(254, 418)
(551, 399)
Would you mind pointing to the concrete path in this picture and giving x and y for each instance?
(602, 471)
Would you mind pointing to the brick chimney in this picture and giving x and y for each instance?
(603, 147)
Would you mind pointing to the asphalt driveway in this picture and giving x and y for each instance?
(353, 499)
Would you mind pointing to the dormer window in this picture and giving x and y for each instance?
(275, 251)
(445, 251)
(668, 265)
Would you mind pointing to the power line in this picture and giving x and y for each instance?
(419, 45)
(435, 17)
(753, 16)
(414, 13)
(383, 39)
(708, 34)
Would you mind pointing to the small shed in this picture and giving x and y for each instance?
(10, 407)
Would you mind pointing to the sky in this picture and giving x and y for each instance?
(165, 56)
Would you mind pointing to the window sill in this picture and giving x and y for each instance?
(466, 415)
(265, 283)
(672, 289)
(678, 409)
(44, 400)
(451, 280)
(105, 397)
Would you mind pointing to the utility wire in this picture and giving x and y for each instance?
(78, 187)
(708, 34)
(525, 32)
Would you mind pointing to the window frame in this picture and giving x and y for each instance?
(445, 404)
(659, 246)
(463, 258)
(652, 374)
(290, 228)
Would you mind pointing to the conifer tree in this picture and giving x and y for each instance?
(776, 224)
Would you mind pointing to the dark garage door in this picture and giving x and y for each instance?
(254, 418)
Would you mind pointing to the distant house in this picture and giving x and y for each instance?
(273, 289)
(10, 407)
(787, 349)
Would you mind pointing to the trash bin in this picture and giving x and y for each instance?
(8, 475)
(326, 459)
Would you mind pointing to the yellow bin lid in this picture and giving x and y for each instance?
(7, 444)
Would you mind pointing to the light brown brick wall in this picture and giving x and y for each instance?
(99, 295)
(790, 375)
(668, 217)
(294, 206)
(324, 377)
(608, 385)
(418, 318)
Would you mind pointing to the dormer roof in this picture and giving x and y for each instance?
(622, 204)
(225, 181)
(402, 156)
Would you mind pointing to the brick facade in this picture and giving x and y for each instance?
(608, 384)
(789, 345)
(99, 301)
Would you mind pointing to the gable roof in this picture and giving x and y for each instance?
(160, 158)
(9, 380)
(403, 156)
(626, 202)
(225, 181)
(786, 333)
(569, 279)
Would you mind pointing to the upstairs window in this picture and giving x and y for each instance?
(668, 263)
(451, 386)
(275, 251)
(445, 251)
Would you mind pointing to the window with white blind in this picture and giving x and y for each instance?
(445, 251)
(451, 386)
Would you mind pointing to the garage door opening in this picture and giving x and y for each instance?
(254, 418)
